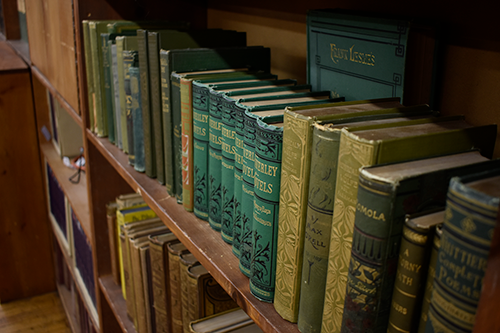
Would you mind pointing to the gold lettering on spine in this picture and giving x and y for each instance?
(337, 54)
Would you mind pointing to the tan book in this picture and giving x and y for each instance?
(158, 253)
(188, 297)
(174, 252)
(234, 320)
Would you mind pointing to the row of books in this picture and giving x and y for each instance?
(277, 176)
(164, 285)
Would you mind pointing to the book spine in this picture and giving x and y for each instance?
(124, 266)
(322, 181)
(215, 162)
(113, 246)
(128, 60)
(352, 155)
(108, 94)
(96, 79)
(189, 296)
(293, 200)
(411, 272)
(227, 171)
(116, 96)
(247, 195)
(187, 144)
(136, 302)
(214, 299)
(158, 254)
(138, 130)
(200, 150)
(175, 164)
(156, 105)
(89, 72)
(149, 156)
(167, 126)
(121, 91)
(238, 178)
(431, 273)
(175, 290)
(267, 174)
(470, 219)
(148, 289)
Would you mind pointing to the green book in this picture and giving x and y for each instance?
(163, 41)
(385, 195)
(137, 128)
(123, 43)
(362, 56)
(417, 243)
(470, 219)
(88, 72)
(367, 146)
(129, 59)
(251, 111)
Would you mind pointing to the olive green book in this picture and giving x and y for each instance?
(412, 270)
(297, 137)
(366, 146)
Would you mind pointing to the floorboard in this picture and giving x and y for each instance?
(38, 314)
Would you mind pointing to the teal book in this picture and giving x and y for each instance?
(267, 175)
(138, 131)
(165, 40)
(253, 58)
(386, 194)
(231, 172)
(219, 207)
(184, 95)
(362, 56)
(250, 113)
(471, 212)
(129, 59)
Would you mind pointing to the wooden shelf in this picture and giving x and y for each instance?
(205, 243)
(22, 49)
(76, 193)
(74, 114)
(113, 294)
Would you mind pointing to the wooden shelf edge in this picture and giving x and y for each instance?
(22, 49)
(114, 297)
(205, 243)
(76, 193)
(72, 112)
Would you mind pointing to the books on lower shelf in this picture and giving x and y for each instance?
(234, 320)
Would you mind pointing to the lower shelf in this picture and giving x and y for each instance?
(114, 297)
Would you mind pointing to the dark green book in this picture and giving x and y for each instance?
(470, 218)
(165, 40)
(138, 131)
(129, 59)
(250, 112)
(362, 56)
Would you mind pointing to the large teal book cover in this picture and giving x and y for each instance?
(385, 195)
(470, 218)
(361, 55)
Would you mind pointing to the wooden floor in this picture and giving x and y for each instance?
(38, 314)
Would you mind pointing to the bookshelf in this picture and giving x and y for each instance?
(468, 84)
